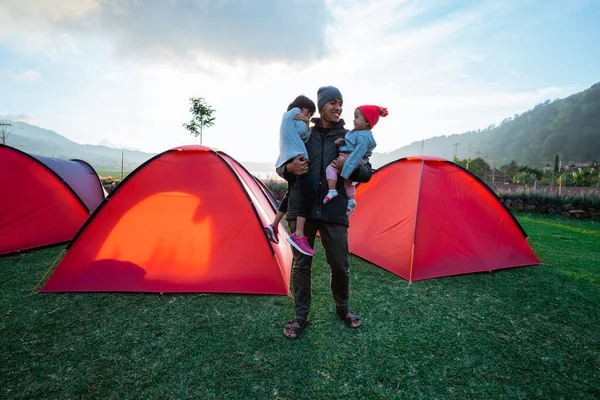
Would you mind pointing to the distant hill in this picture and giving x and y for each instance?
(35, 140)
(44, 142)
(569, 127)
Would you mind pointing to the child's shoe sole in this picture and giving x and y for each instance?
(294, 245)
(270, 232)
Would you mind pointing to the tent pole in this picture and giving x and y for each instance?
(412, 259)
(412, 256)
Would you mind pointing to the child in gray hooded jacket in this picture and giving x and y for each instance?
(294, 132)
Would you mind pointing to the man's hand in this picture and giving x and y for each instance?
(298, 165)
(339, 141)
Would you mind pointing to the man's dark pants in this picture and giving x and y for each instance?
(334, 238)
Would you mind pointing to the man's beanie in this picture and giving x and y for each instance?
(327, 93)
(372, 113)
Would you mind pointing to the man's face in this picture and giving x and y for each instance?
(331, 112)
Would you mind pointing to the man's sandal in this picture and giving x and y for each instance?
(349, 320)
(296, 330)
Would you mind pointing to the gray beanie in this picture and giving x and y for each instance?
(327, 93)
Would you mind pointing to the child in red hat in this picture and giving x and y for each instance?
(356, 148)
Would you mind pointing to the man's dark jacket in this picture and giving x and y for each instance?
(322, 150)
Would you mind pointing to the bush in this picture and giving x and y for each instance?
(277, 186)
(109, 180)
(541, 199)
(524, 178)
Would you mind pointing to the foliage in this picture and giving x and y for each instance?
(529, 332)
(524, 178)
(477, 166)
(585, 200)
(532, 171)
(202, 117)
(277, 187)
(580, 177)
(567, 127)
(108, 180)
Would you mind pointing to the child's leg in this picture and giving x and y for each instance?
(350, 192)
(300, 221)
(349, 188)
(282, 209)
(307, 186)
(272, 230)
(332, 176)
(278, 218)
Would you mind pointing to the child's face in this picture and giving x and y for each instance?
(360, 123)
(306, 112)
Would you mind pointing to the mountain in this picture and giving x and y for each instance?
(568, 127)
(44, 142)
(35, 140)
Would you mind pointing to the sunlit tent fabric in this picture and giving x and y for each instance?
(44, 200)
(188, 220)
(426, 217)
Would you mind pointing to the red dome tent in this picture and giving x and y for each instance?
(188, 220)
(44, 200)
(426, 217)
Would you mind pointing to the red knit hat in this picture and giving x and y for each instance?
(372, 113)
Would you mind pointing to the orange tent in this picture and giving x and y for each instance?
(426, 217)
(44, 200)
(188, 220)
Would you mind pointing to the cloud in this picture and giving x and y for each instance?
(15, 117)
(263, 31)
(24, 75)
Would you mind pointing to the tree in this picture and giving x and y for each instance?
(202, 117)
(5, 131)
(478, 166)
(556, 164)
(455, 150)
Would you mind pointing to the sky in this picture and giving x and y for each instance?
(121, 72)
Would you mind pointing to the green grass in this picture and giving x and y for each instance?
(521, 333)
(113, 172)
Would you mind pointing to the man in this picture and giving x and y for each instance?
(330, 219)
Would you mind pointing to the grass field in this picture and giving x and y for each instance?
(112, 172)
(522, 333)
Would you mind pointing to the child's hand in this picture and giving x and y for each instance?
(339, 142)
(302, 117)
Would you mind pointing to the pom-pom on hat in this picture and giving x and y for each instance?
(372, 113)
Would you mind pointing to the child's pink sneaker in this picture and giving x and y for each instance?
(272, 233)
(300, 244)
